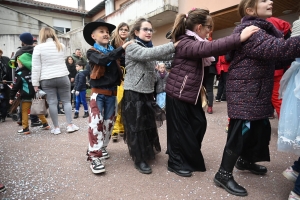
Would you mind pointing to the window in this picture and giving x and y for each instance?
(62, 25)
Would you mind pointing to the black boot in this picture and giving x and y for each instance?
(76, 115)
(86, 114)
(143, 167)
(243, 164)
(225, 179)
(224, 176)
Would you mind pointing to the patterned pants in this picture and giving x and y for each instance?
(102, 116)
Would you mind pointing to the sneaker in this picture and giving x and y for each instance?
(218, 100)
(75, 115)
(104, 153)
(293, 196)
(24, 131)
(96, 166)
(2, 188)
(60, 113)
(73, 128)
(56, 131)
(86, 114)
(34, 124)
(45, 126)
(290, 174)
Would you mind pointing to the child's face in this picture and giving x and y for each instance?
(145, 32)
(263, 10)
(162, 68)
(101, 35)
(78, 67)
(124, 32)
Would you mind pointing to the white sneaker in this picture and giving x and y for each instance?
(293, 196)
(73, 128)
(56, 131)
(290, 174)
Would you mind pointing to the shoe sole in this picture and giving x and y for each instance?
(289, 177)
(183, 175)
(97, 171)
(45, 128)
(105, 157)
(26, 133)
(229, 191)
(252, 171)
(143, 172)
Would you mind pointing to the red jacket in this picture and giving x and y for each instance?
(222, 65)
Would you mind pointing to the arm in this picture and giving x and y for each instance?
(81, 81)
(36, 66)
(76, 82)
(16, 87)
(143, 54)
(266, 47)
(194, 50)
(104, 59)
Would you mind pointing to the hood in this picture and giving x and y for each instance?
(26, 60)
(24, 49)
(280, 24)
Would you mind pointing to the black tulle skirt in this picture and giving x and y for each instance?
(141, 116)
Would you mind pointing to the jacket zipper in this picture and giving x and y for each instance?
(183, 84)
(201, 82)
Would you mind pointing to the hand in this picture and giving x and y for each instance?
(36, 88)
(11, 101)
(4, 81)
(77, 93)
(126, 44)
(248, 32)
(72, 80)
(176, 43)
(73, 91)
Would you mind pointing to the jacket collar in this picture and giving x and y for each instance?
(49, 40)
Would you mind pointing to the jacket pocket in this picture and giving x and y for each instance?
(183, 84)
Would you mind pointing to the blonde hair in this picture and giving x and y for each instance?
(46, 33)
(118, 41)
(244, 4)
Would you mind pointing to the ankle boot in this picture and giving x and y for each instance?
(143, 167)
(76, 115)
(86, 114)
(225, 180)
(243, 164)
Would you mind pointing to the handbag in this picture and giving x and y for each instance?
(38, 106)
(203, 97)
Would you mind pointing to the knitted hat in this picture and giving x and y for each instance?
(296, 28)
(26, 38)
(26, 60)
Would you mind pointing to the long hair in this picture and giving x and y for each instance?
(137, 26)
(244, 4)
(46, 33)
(189, 21)
(67, 61)
(118, 41)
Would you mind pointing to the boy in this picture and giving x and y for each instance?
(105, 76)
(80, 89)
(23, 83)
(161, 79)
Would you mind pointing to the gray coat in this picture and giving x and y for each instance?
(140, 64)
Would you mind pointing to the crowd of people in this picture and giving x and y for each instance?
(133, 90)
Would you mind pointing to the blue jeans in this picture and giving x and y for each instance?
(106, 105)
(81, 98)
(296, 167)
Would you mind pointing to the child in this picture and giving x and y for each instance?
(186, 122)
(138, 106)
(23, 83)
(161, 79)
(80, 89)
(249, 90)
(289, 122)
(118, 39)
(105, 76)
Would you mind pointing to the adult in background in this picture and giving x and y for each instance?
(72, 73)
(51, 73)
(77, 56)
(5, 75)
(222, 69)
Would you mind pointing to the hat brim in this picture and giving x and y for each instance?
(90, 27)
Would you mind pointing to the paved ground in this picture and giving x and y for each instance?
(46, 166)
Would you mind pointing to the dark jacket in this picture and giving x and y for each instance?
(250, 77)
(24, 49)
(72, 71)
(76, 59)
(161, 82)
(112, 74)
(23, 83)
(186, 76)
(80, 80)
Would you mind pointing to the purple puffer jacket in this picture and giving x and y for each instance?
(250, 77)
(186, 76)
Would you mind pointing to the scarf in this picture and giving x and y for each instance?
(162, 75)
(206, 61)
(147, 44)
(104, 50)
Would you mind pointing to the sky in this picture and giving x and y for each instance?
(89, 4)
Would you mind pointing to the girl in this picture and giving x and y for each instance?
(249, 91)
(138, 106)
(186, 122)
(49, 71)
(160, 88)
(72, 73)
(119, 37)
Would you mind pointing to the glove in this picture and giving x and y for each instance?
(77, 93)
(73, 91)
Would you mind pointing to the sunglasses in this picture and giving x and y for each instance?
(147, 30)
